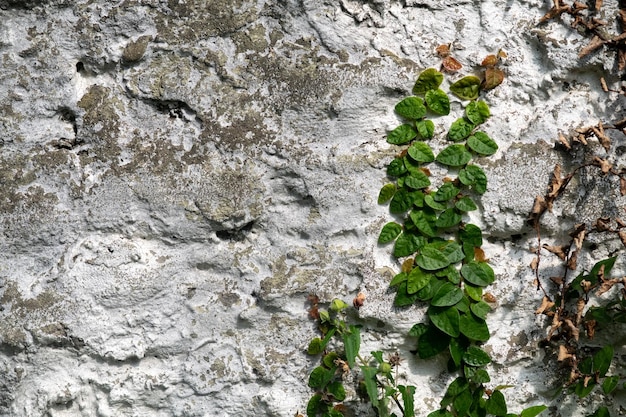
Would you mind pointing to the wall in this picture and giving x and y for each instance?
(177, 176)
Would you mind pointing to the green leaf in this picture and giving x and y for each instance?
(478, 273)
(482, 144)
(533, 411)
(477, 112)
(474, 176)
(313, 407)
(398, 279)
(315, 346)
(477, 375)
(460, 129)
(407, 244)
(581, 390)
(425, 222)
(386, 193)
(421, 152)
(441, 413)
(389, 232)
(601, 412)
(369, 375)
(446, 192)
(456, 387)
(463, 403)
(408, 394)
(453, 252)
(448, 218)
(454, 155)
(475, 356)
(418, 329)
(438, 101)
(610, 383)
(321, 376)
(417, 180)
(466, 88)
(602, 360)
(396, 167)
(431, 259)
(465, 204)
(401, 134)
(429, 200)
(586, 365)
(475, 293)
(337, 390)
(429, 79)
(426, 128)
(430, 289)
(417, 280)
(446, 319)
(448, 295)
(606, 263)
(329, 359)
(471, 234)
(411, 108)
(337, 305)
(431, 343)
(496, 404)
(401, 202)
(403, 298)
(480, 309)
(352, 344)
(456, 352)
(473, 329)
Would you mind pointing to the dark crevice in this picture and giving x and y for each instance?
(237, 235)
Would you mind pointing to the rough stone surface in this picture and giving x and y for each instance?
(177, 176)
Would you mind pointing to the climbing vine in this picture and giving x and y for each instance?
(443, 267)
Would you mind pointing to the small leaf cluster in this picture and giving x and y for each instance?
(341, 361)
(444, 265)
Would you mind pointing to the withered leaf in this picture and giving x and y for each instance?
(493, 78)
(580, 307)
(578, 6)
(590, 328)
(579, 235)
(546, 305)
(621, 59)
(358, 300)
(620, 223)
(539, 206)
(604, 140)
(607, 285)
(595, 43)
(556, 183)
(502, 54)
(572, 261)
(534, 264)
(605, 87)
(598, 4)
(407, 265)
(451, 65)
(479, 255)
(604, 165)
(574, 331)
(443, 50)
(557, 280)
(622, 237)
(490, 61)
(560, 251)
(563, 354)
(603, 224)
(564, 141)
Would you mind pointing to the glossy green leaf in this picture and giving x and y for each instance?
(412, 166)
(329, 359)
(480, 309)
(337, 390)
(456, 387)
(438, 101)
(606, 263)
(396, 167)
(314, 405)
(475, 356)
(601, 412)
(496, 404)
(602, 360)
(401, 135)
(446, 192)
(440, 413)
(426, 128)
(460, 129)
(586, 365)
(462, 403)
(463, 305)
(465, 204)
(470, 233)
(478, 273)
(417, 180)
(403, 298)
(477, 112)
(533, 411)
(431, 259)
(421, 152)
(448, 295)
(448, 218)
(416, 280)
(425, 222)
(473, 328)
(321, 376)
(432, 342)
(453, 252)
(454, 155)
(411, 108)
(386, 193)
(398, 279)
(389, 232)
(581, 390)
(408, 394)
(477, 375)
(352, 344)
(430, 289)
(401, 202)
(429, 79)
(475, 293)
(482, 144)
(418, 329)
(429, 200)
(446, 319)
(315, 346)
(407, 244)
(456, 352)
(610, 383)
(475, 177)
(466, 88)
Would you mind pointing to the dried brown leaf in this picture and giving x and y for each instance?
(451, 65)
(603, 224)
(546, 305)
(534, 264)
(539, 206)
(598, 4)
(564, 141)
(620, 223)
(622, 186)
(493, 78)
(604, 165)
(359, 300)
(563, 354)
(605, 87)
(479, 255)
(443, 50)
(590, 328)
(574, 331)
(607, 285)
(580, 307)
(622, 236)
(572, 261)
(560, 251)
(407, 265)
(502, 54)
(621, 59)
(604, 140)
(578, 235)
(557, 280)
(556, 183)
(595, 43)
(490, 61)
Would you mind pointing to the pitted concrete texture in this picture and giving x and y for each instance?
(176, 177)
